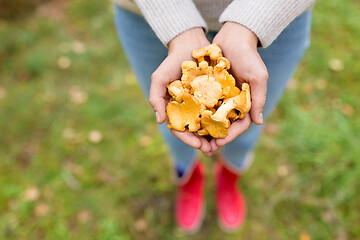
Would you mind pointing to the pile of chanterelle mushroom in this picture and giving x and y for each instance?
(206, 100)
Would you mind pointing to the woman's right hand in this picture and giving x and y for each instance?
(180, 49)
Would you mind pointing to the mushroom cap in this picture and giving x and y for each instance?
(190, 70)
(217, 129)
(222, 63)
(202, 132)
(240, 102)
(228, 84)
(203, 65)
(186, 113)
(188, 65)
(206, 69)
(212, 50)
(243, 100)
(206, 90)
(226, 80)
(176, 90)
(198, 53)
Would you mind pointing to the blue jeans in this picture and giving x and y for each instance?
(145, 52)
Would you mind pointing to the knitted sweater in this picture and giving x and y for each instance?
(266, 18)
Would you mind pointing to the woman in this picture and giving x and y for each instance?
(264, 41)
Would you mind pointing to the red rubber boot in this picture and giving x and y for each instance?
(230, 202)
(189, 206)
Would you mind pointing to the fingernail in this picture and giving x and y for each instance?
(261, 118)
(157, 115)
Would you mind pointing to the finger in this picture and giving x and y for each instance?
(236, 128)
(251, 69)
(157, 96)
(258, 87)
(168, 71)
(205, 145)
(214, 146)
(209, 154)
(188, 138)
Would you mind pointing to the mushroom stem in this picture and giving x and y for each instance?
(241, 102)
(223, 110)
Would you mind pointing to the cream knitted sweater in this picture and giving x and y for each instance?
(266, 18)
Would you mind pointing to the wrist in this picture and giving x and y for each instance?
(191, 37)
(239, 33)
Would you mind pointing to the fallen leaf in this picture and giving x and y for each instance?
(347, 110)
(32, 193)
(141, 225)
(41, 209)
(145, 140)
(282, 171)
(64, 62)
(304, 236)
(336, 64)
(78, 47)
(95, 136)
(84, 216)
(77, 95)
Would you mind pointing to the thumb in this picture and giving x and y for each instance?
(258, 89)
(167, 72)
(157, 97)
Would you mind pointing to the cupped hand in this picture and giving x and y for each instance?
(239, 45)
(180, 49)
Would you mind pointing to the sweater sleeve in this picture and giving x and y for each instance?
(266, 18)
(168, 18)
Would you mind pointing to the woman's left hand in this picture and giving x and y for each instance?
(239, 45)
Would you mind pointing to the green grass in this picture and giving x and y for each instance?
(55, 183)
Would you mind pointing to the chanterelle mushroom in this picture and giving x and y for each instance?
(217, 129)
(206, 90)
(186, 113)
(206, 100)
(232, 116)
(226, 80)
(240, 102)
(176, 90)
(189, 72)
(206, 69)
(213, 51)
